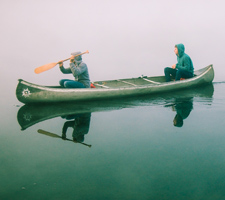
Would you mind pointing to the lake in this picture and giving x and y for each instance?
(167, 146)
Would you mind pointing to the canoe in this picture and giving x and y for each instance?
(31, 114)
(32, 93)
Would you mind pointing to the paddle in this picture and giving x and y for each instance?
(57, 136)
(46, 67)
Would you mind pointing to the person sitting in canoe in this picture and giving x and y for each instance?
(79, 70)
(184, 67)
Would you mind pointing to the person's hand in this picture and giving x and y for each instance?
(173, 66)
(60, 63)
(72, 59)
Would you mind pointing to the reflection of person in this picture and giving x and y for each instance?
(183, 108)
(80, 125)
(79, 70)
(184, 67)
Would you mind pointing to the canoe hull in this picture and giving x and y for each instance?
(31, 93)
(30, 114)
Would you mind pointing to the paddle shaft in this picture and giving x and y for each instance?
(57, 136)
(74, 56)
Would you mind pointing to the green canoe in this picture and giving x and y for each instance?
(32, 93)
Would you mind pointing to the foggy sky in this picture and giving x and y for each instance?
(125, 38)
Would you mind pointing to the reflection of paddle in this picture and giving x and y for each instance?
(57, 136)
(46, 67)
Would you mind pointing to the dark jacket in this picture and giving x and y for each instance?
(183, 60)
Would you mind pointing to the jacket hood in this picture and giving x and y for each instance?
(181, 49)
(77, 58)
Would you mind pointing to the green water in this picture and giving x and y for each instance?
(136, 151)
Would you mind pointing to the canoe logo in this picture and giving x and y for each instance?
(27, 117)
(26, 93)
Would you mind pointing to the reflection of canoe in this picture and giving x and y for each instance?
(29, 115)
(31, 93)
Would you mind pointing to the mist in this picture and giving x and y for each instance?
(125, 38)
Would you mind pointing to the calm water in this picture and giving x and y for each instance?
(136, 151)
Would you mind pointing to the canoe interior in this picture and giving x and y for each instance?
(124, 83)
(140, 81)
(131, 82)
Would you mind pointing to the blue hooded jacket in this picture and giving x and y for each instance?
(183, 60)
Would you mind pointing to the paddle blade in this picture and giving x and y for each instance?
(44, 68)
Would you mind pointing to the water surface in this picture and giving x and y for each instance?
(154, 147)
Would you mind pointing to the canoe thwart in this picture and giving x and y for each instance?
(150, 80)
(127, 82)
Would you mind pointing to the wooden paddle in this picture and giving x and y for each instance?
(46, 67)
(57, 136)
